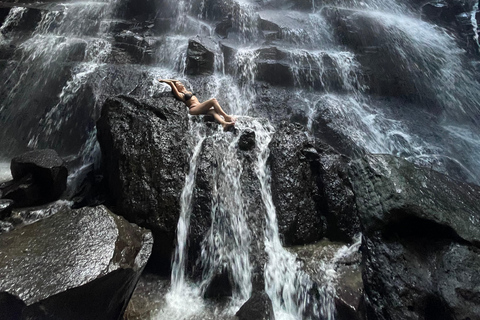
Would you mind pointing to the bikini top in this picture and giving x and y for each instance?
(188, 96)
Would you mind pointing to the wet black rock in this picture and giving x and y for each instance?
(385, 68)
(223, 27)
(201, 56)
(39, 177)
(295, 188)
(258, 307)
(455, 15)
(211, 187)
(6, 206)
(323, 260)
(47, 169)
(247, 140)
(145, 152)
(220, 286)
(310, 188)
(134, 46)
(420, 241)
(85, 265)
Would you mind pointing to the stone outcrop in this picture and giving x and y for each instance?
(5, 208)
(258, 307)
(39, 176)
(387, 70)
(144, 153)
(310, 188)
(420, 241)
(201, 56)
(76, 264)
(337, 273)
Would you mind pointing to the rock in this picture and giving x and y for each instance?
(454, 15)
(224, 26)
(23, 192)
(310, 188)
(47, 169)
(339, 200)
(391, 192)
(247, 140)
(135, 46)
(11, 306)
(227, 189)
(27, 21)
(420, 241)
(336, 270)
(139, 10)
(220, 286)
(201, 56)
(77, 264)
(295, 190)
(144, 155)
(258, 307)
(387, 70)
(6, 206)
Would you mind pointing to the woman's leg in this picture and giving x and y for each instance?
(204, 107)
(217, 117)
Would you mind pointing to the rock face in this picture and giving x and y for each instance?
(421, 239)
(5, 208)
(144, 154)
(258, 307)
(201, 56)
(309, 188)
(39, 176)
(336, 270)
(77, 264)
(387, 70)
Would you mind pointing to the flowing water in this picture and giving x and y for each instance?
(62, 71)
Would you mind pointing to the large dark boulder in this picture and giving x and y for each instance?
(409, 71)
(39, 176)
(201, 56)
(310, 188)
(5, 208)
(421, 241)
(227, 202)
(258, 307)
(131, 47)
(144, 154)
(76, 264)
(336, 270)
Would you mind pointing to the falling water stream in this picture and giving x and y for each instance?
(69, 54)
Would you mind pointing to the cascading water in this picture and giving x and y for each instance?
(69, 56)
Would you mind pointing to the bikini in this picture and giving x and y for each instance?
(188, 96)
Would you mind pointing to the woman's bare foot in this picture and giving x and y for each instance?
(230, 118)
(227, 125)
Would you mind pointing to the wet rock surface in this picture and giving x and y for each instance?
(420, 236)
(77, 264)
(310, 188)
(340, 267)
(259, 306)
(201, 56)
(39, 176)
(5, 208)
(145, 161)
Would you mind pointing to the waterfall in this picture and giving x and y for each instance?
(227, 242)
(58, 74)
(179, 260)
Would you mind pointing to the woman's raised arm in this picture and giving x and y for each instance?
(171, 83)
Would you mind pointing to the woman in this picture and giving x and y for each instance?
(196, 108)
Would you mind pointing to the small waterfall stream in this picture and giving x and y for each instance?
(69, 54)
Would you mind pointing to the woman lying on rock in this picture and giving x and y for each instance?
(196, 108)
